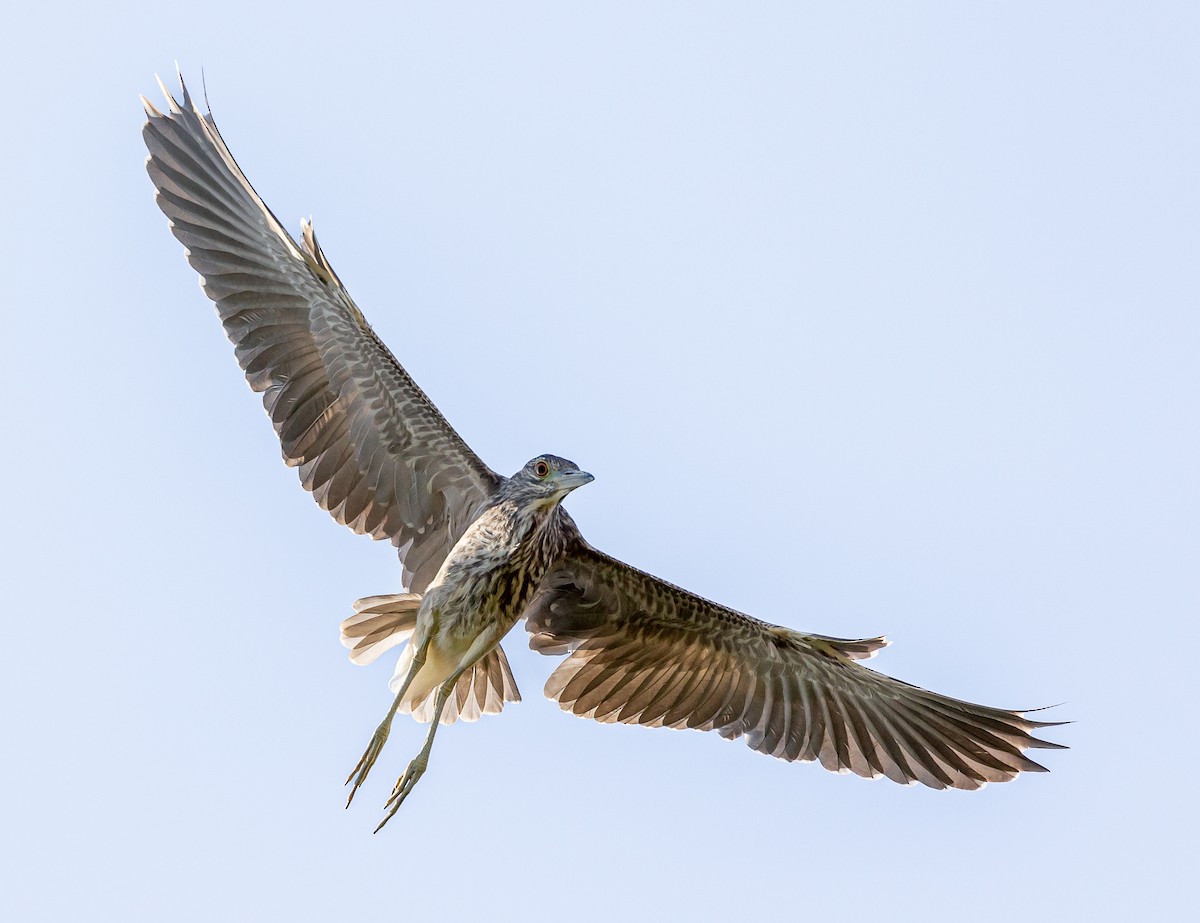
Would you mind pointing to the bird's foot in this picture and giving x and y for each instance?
(359, 774)
(405, 784)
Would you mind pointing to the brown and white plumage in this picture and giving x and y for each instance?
(380, 623)
(480, 551)
(645, 652)
(372, 448)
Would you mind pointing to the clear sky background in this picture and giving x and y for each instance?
(866, 317)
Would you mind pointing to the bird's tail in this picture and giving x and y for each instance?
(481, 690)
(379, 623)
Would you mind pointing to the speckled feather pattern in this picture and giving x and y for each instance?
(368, 443)
(643, 651)
(495, 569)
(376, 453)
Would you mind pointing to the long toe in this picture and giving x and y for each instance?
(359, 774)
(404, 785)
(406, 782)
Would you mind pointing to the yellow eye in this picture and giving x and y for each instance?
(541, 468)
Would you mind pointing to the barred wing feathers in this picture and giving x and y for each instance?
(645, 652)
(372, 448)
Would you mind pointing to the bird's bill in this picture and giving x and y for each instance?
(569, 480)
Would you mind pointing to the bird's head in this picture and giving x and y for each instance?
(545, 480)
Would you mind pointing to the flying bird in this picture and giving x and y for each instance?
(480, 552)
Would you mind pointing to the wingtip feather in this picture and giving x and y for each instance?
(171, 103)
(187, 98)
(151, 111)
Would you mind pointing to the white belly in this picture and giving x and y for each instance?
(449, 653)
(438, 668)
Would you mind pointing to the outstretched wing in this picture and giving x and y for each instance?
(645, 652)
(369, 444)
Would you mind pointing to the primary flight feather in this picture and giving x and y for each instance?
(480, 551)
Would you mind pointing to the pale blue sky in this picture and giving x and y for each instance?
(866, 317)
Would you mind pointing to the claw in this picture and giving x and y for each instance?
(358, 775)
(404, 785)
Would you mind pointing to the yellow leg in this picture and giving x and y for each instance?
(359, 774)
(417, 767)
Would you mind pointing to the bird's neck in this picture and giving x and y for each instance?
(538, 529)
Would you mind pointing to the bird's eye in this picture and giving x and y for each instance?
(541, 468)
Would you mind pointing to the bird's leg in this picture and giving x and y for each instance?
(416, 768)
(359, 774)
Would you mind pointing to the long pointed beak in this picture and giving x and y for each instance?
(569, 480)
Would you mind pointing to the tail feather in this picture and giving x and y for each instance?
(481, 690)
(379, 623)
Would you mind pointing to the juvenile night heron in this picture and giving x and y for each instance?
(480, 551)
